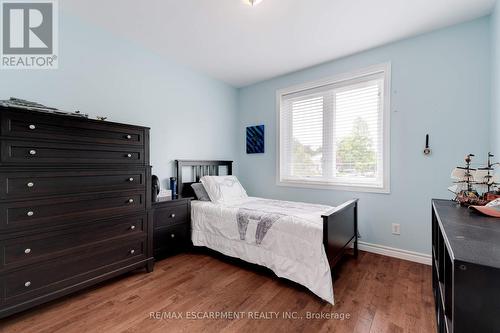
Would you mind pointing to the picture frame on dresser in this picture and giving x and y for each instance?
(75, 202)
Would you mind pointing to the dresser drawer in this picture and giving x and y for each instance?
(64, 128)
(28, 250)
(47, 153)
(36, 183)
(69, 210)
(171, 215)
(41, 279)
(172, 239)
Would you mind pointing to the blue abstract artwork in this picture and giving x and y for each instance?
(255, 139)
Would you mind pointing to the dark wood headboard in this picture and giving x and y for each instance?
(198, 169)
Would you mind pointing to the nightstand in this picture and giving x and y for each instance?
(172, 225)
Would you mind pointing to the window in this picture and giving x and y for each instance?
(335, 133)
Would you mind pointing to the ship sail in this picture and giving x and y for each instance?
(459, 174)
(461, 177)
(454, 189)
(495, 180)
(482, 176)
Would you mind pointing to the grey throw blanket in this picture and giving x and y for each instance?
(264, 222)
(266, 212)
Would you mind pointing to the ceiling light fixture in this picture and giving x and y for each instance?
(252, 2)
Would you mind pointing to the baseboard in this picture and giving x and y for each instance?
(421, 258)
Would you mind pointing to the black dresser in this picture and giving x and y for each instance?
(466, 269)
(74, 205)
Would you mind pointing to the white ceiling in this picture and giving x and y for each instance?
(241, 45)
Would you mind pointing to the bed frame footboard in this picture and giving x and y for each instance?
(340, 229)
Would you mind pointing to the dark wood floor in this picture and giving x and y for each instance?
(379, 294)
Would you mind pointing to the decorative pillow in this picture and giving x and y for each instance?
(200, 192)
(223, 189)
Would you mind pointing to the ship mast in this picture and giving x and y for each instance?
(468, 170)
(489, 168)
(488, 179)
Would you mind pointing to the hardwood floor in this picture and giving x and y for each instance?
(376, 293)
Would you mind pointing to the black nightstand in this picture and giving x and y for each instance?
(172, 225)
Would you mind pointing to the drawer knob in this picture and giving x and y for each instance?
(172, 215)
(27, 251)
(130, 200)
(27, 284)
(30, 213)
(31, 127)
(30, 184)
(172, 235)
(131, 179)
(129, 155)
(132, 227)
(32, 152)
(129, 136)
(132, 251)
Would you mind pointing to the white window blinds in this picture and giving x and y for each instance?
(334, 133)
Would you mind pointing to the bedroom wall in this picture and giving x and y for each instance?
(190, 114)
(495, 82)
(440, 86)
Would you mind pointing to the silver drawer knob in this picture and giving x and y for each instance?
(172, 235)
(172, 215)
(32, 152)
(31, 127)
(130, 200)
(132, 251)
(131, 179)
(30, 213)
(27, 284)
(129, 155)
(129, 137)
(27, 251)
(132, 227)
(30, 184)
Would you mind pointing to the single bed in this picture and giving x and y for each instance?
(302, 243)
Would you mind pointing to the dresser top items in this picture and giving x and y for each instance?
(55, 116)
(38, 138)
(471, 237)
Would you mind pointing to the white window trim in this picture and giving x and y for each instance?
(386, 69)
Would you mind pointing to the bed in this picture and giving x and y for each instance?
(298, 241)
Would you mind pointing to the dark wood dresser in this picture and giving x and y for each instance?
(466, 269)
(172, 225)
(74, 204)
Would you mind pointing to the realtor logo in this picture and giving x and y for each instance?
(29, 34)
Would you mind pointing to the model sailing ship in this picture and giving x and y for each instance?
(475, 186)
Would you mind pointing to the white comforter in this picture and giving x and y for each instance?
(292, 248)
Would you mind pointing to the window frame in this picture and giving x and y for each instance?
(385, 69)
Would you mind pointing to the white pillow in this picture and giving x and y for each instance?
(223, 189)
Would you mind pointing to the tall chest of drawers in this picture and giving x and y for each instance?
(74, 205)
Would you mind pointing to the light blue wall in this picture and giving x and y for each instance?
(440, 86)
(495, 81)
(190, 115)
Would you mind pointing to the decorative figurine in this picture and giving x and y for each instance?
(469, 182)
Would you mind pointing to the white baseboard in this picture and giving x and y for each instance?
(421, 258)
